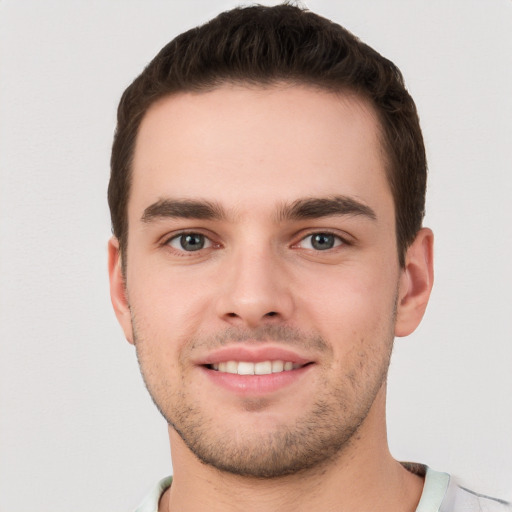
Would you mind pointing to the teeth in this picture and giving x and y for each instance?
(263, 368)
(232, 367)
(245, 368)
(260, 368)
(277, 366)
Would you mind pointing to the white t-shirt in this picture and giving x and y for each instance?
(441, 493)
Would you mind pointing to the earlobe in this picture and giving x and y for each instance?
(415, 283)
(118, 289)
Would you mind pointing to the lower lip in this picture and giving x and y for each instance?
(256, 384)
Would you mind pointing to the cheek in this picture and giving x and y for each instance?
(156, 324)
(350, 301)
(169, 300)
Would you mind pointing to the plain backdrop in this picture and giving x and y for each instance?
(77, 428)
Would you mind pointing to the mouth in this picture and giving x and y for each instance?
(255, 368)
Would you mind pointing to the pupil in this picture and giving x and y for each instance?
(192, 242)
(322, 241)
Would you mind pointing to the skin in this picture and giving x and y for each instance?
(259, 282)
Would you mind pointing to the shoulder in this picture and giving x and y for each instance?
(442, 493)
(150, 503)
(460, 498)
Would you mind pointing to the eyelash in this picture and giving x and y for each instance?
(339, 240)
(178, 236)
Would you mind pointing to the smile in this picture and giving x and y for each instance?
(258, 368)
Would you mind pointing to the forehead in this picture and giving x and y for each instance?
(258, 145)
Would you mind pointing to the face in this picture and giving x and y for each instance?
(262, 277)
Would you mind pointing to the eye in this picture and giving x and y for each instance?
(189, 242)
(320, 241)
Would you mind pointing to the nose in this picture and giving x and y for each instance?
(255, 290)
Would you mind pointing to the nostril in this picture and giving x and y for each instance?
(232, 315)
(271, 313)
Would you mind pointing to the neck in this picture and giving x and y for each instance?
(364, 476)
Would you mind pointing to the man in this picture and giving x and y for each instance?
(267, 196)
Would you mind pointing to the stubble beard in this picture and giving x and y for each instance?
(316, 437)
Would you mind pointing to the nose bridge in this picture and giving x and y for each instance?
(256, 289)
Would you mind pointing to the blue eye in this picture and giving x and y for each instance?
(189, 242)
(321, 241)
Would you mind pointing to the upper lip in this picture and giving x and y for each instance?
(253, 354)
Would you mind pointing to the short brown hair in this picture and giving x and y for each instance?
(267, 45)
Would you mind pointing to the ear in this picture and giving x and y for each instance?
(415, 283)
(118, 289)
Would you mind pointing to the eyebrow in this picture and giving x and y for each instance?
(315, 208)
(183, 208)
(301, 209)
